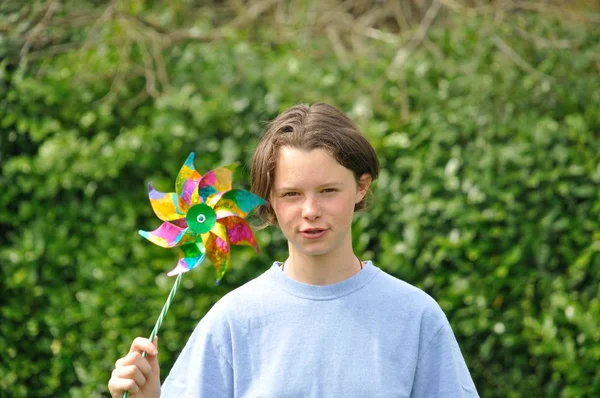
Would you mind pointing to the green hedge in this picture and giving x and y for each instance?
(488, 198)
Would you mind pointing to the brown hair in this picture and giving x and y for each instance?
(310, 127)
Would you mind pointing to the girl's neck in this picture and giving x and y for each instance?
(322, 270)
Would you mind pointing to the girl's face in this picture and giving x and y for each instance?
(313, 198)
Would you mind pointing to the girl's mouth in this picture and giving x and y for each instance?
(313, 233)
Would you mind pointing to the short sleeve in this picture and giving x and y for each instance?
(203, 368)
(441, 369)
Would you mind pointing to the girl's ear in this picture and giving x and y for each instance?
(364, 182)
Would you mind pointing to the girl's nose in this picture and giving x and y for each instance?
(310, 209)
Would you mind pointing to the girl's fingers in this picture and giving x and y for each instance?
(137, 360)
(141, 344)
(118, 386)
(132, 372)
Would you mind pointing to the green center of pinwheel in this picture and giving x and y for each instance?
(201, 218)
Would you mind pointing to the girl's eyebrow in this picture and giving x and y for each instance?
(292, 188)
(330, 184)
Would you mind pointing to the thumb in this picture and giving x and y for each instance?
(153, 359)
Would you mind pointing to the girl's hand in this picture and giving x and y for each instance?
(135, 373)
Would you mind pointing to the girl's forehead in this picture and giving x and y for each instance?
(294, 158)
(290, 152)
(308, 168)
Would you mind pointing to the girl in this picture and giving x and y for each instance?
(323, 323)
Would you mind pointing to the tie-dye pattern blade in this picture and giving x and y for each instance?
(217, 180)
(203, 217)
(166, 206)
(245, 201)
(238, 201)
(217, 251)
(187, 180)
(167, 235)
(239, 232)
(190, 256)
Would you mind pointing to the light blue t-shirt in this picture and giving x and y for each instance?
(371, 335)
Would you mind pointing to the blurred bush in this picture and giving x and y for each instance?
(486, 122)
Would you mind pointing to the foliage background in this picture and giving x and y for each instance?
(485, 115)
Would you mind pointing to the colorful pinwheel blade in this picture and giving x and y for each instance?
(222, 213)
(238, 201)
(166, 206)
(239, 232)
(191, 255)
(217, 250)
(217, 180)
(220, 231)
(167, 235)
(186, 185)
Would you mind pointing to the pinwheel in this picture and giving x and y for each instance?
(203, 217)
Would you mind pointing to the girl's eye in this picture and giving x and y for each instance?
(290, 194)
(328, 190)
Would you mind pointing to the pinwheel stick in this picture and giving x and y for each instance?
(162, 315)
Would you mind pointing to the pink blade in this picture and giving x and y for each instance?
(215, 181)
(239, 232)
(189, 191)
(167, 235)
(180, 268)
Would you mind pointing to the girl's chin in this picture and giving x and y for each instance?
(311, 250)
